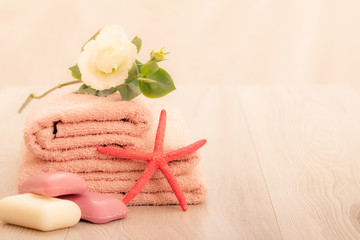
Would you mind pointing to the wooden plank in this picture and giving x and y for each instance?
(11, 132)
(307, 139)
(237, 206)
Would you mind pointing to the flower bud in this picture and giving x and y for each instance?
(158, 55)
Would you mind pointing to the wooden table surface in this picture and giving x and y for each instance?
(282, 162)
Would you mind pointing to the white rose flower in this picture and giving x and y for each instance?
(105, 61)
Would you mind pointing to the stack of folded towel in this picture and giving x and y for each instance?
(64, 129)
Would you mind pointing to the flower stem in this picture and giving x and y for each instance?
(31, 96)
(146, 80)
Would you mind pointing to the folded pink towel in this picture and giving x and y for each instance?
(65, 126)
(64, 129)
(117, 184)
(98, 169)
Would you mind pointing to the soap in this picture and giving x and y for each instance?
(39, 212)
(97, 207)
(53, 184)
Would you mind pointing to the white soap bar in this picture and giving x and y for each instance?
(39, 212)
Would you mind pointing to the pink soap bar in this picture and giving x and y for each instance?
(53, 184)
(97, 207)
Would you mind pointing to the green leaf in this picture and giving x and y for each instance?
(149, 68)
(104, 93)
(85, 89)
(132, 74)
(163, 85)
(100, 93)
(130, 90)
(139, 65)
(92, 38)
(75, 71)
(137, 42)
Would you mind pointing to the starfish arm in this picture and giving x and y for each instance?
(165, 169)
(125, 153)
(140, 184)
(160, 133)
(182, 152)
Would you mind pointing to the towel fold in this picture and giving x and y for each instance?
(113, 177)
(64, 129)
(99, 169)
(195, 196)
(189, 178)
(66, 126)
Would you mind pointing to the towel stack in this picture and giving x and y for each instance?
(64, 129)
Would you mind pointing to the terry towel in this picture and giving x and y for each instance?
(118, 183)
(65, 126)
(64, 129)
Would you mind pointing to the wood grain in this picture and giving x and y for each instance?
(237, 207)
(281, 162)
(307, 139)
(11, 132)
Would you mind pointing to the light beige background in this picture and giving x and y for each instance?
(216, 41)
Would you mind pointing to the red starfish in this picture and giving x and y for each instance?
(157, 160)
